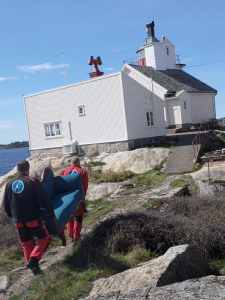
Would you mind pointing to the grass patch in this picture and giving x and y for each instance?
(149, 178)
(134, 257)
(10, 258)
(185, 182)
(12, 176)
(62, 282)
(99, 177)
(149, 202)
(181, 182)
(130, 191)
(197, 167)
(217, 266)
(91, 164)
(159, 144)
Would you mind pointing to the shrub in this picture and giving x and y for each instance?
(8, 233)
(187, 220)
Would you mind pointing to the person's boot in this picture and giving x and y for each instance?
(33, 266)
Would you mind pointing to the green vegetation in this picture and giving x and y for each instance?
(10, 258)
(12, 176)
(185, 182)
(217, 266)
(150, 202)
(149, 178)
(160, 144)
(181, 182)
(91, 164)
(98, 176)
(197, 167)
(131, 191)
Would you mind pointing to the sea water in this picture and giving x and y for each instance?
(10, 157)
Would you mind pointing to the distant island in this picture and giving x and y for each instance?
(15, 145)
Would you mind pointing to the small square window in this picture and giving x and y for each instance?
(81, 110)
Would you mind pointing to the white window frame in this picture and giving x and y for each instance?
(167, 51)
(83, 110)
(49, 124)
(150, 118)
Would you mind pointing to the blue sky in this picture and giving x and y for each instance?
(35, 33)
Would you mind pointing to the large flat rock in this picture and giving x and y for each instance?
(207, 288)
(177, 264)
(137, 161)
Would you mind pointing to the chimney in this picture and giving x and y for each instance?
(150, 29)
(95, 62)
(163, 38)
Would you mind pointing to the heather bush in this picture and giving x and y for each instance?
(188, 220)
(8, 234)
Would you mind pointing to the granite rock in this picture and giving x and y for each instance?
(179, 263)
(207, 288)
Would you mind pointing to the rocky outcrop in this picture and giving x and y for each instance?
(96, 191)
(137, 161)
(177, 264)
(207, 288)
(217, 179)
(4, 283)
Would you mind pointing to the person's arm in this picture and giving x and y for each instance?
(42, 197)
(6, 203)
(85, 181)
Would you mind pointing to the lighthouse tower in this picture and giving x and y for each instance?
(157, 54)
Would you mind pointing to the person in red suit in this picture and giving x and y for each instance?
(75, 224)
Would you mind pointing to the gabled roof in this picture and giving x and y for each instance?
(148, 42)
(175, 80)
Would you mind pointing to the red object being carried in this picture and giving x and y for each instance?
(95, 62)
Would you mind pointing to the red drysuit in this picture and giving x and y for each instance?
(75, 224)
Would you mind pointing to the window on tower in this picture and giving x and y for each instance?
(167, 51)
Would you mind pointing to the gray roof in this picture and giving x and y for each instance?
(175, 80)
(148, 42)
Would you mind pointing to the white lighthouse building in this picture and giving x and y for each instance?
(122, 110)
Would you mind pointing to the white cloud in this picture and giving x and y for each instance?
(109, 69)
(4, 125)
(42, 67)
(8, 78)
(118, 49)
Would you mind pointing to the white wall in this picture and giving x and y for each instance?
(135, 108)
(202, 106)
(150, 57)
(156, 56)
(173, 112)
(185, 113)
(104, 119)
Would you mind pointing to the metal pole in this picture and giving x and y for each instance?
(194, 149)
(208, 173)
(64, 68)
